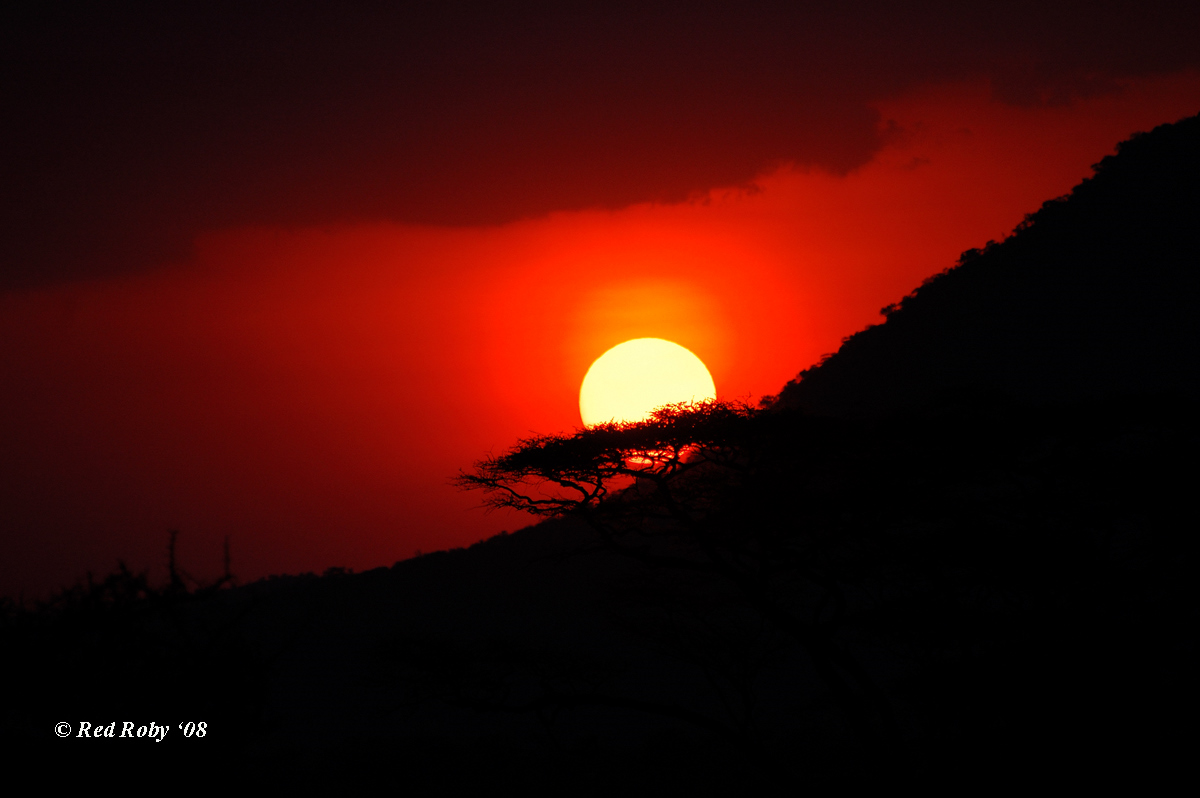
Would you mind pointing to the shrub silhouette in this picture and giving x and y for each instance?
(123, 648)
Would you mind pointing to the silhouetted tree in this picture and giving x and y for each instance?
(697, 489)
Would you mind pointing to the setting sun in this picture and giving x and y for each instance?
(630, 380)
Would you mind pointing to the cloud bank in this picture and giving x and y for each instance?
(130, 130)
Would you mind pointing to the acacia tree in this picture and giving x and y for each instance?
(707, 488)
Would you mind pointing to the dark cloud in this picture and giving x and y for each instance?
(128, 130)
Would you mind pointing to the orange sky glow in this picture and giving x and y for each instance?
(311, 392)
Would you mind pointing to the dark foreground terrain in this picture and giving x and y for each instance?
(1017, 584)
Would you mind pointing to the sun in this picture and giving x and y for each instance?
(630, 380)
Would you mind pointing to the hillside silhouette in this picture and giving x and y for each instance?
(950, 554)
(1095, 294)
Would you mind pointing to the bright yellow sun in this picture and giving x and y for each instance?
(633, 378)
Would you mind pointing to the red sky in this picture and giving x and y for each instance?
(308, 388)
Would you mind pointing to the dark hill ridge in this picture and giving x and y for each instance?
(1095, 294)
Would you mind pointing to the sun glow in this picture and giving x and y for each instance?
(630, 380)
